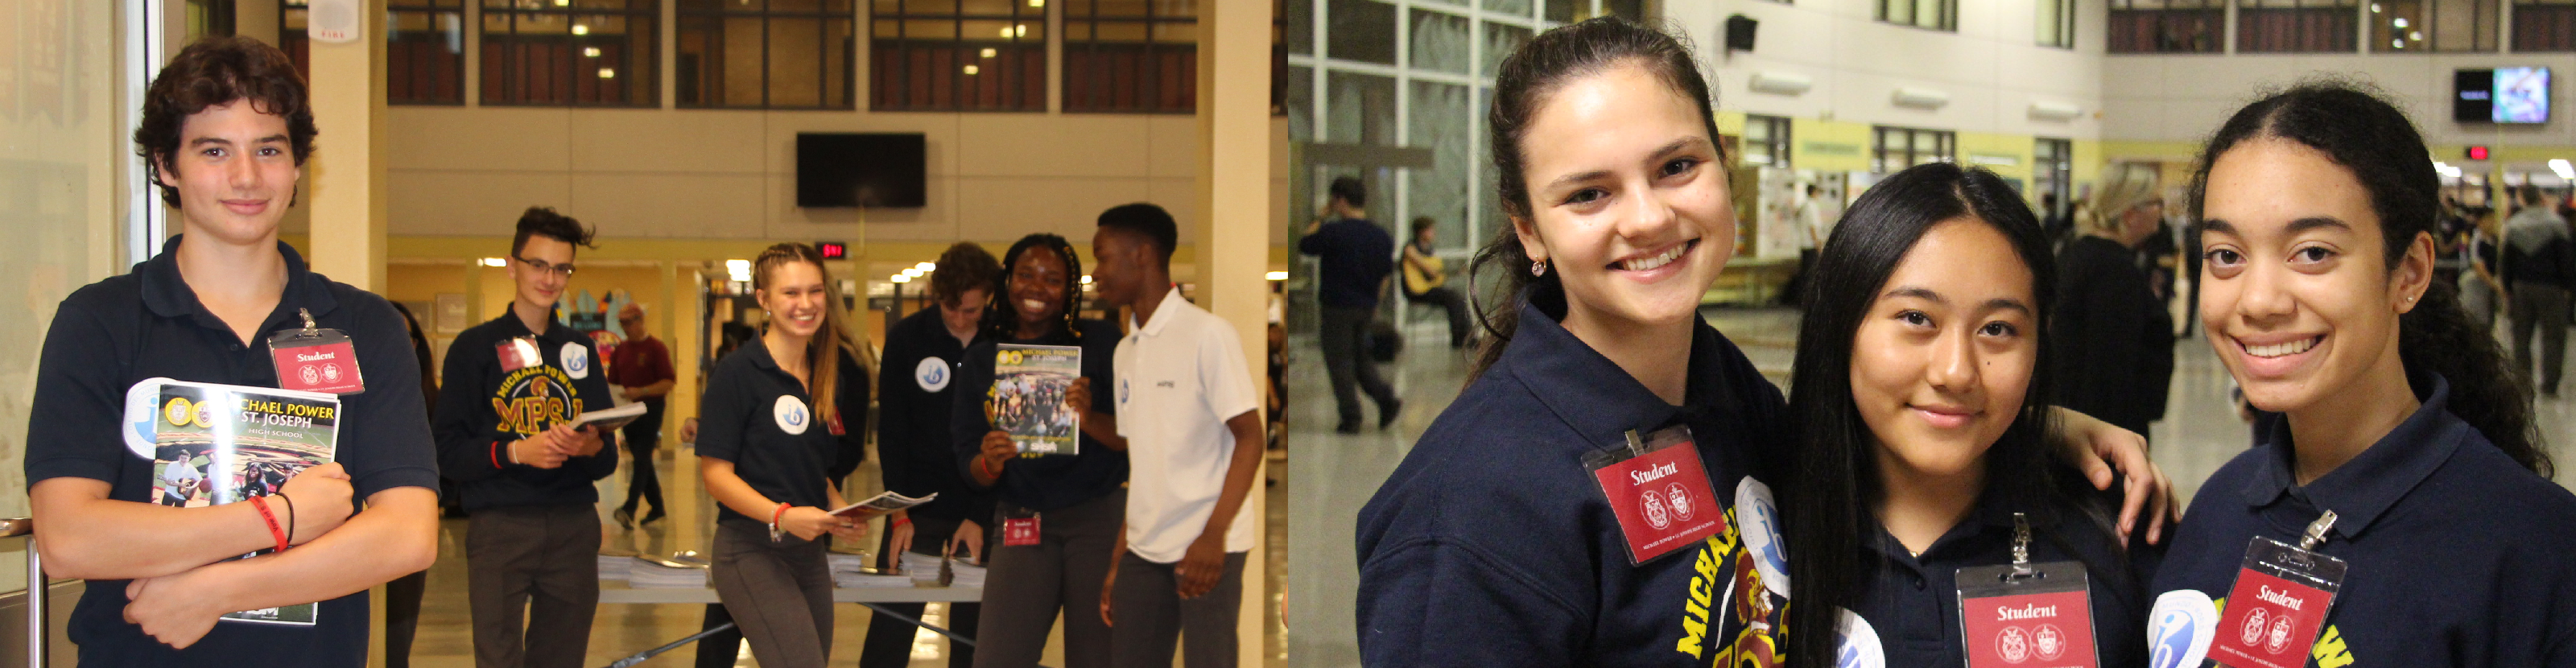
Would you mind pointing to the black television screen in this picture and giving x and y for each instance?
(2511, 95)
(859, 170)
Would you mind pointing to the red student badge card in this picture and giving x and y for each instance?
(2040, 619)
(1660, 493)
(316, 360)
(1020, 531)
(2279, 603)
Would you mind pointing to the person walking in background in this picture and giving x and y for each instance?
(2539, 266)
(641, 368)
(1813, 229)
(1426, 279)
(2119, 337)
(925, 351)
(1193, 427)
(1356, 256)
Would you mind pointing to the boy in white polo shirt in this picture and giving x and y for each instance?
(1191, 417)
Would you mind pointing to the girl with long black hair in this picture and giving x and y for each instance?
(2397, 446)
(1920, 395)
(1075, 502)
(1551, 516)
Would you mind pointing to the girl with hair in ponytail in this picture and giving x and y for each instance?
(770, 427)
(2395, 435)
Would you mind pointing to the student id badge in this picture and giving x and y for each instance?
(1659, 491)
(518, 353)
(2279, 602)
(316, 359)
(1019, 531)
(2026, 615)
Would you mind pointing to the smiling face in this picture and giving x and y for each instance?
(1944, 356)
(2296, 294)
(235, 172)
(541, 287)
(1116, 270)
(1628, 203)
(1037, 288)
(794, 296)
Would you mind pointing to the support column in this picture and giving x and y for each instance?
(1234, 226)
(344, 183)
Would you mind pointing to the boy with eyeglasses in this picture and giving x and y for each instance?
(514, 385)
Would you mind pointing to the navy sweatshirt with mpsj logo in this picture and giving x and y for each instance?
(483, 407)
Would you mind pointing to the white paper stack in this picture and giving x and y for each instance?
(851, 571)
(614, 566)
(643, 573)
(924, 569)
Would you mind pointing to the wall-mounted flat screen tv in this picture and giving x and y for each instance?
(2511, 95)
(882, 170)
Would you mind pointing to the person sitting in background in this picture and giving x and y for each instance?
(1425, 281)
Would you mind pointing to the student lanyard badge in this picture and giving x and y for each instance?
(315, 359)
(1659, 491)
(2279, 602)
(1019, 527)
(2025, 614)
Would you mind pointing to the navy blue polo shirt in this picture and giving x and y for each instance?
(1042, 482)
(2458, 555)
(1492, 544)
(758, 416)
(1355, 255)
(1913, 601)
(914, 448)
(111, 334)
(484, 407)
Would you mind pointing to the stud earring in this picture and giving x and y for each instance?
(1538, 267)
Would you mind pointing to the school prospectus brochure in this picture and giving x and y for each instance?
(215, 444)
(1029, 384)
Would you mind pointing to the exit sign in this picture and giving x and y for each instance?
(833, 250)
(2478, 153)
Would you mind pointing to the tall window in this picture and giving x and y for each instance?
(2295, 26)
(2421, 26)
(766, 54)
(1933, 14)
(2052, 168)
(957, 55)
(2057, 23)
(2544, 26)
(290, 35)
(1766, 140)
(1131, 56)
(1899, 148)
(571, 53)
(425, 52)
(2167, 26)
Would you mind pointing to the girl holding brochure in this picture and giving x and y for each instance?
(766, 440)
(1059, 514)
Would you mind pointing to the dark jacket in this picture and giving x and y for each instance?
(1042, 482)
(472, 430)
(2115, 340)
(1355, 257)
(916, 391)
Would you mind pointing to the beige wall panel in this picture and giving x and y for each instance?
(1174, 144)
(1037, 145)
(1004, 209)
(509, 138)
(650, 140)
(670, 205)
(469, 203)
